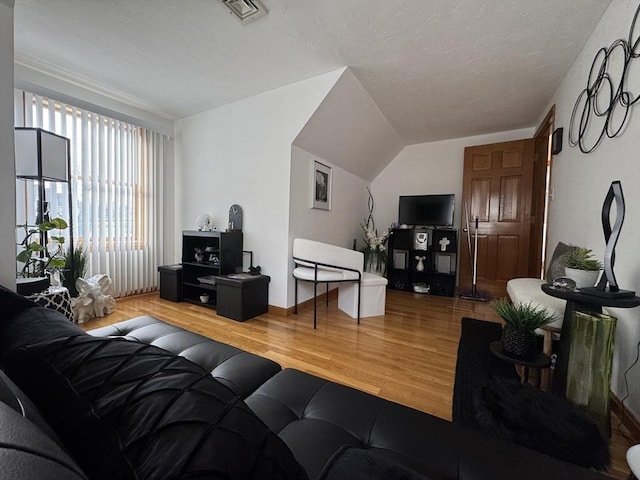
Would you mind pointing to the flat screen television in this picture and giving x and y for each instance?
(427, 210)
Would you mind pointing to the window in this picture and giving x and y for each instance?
(115, 189)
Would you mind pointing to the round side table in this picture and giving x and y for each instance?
(538, 361)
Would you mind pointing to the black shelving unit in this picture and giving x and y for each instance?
(208, 255)
(423, 257)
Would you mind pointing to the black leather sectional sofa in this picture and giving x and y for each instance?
(143, 399)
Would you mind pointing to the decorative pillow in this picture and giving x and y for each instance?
(130, 410)
(558, 261)
(539, 420)
(55, 298)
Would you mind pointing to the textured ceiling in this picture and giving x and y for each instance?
(437, 69)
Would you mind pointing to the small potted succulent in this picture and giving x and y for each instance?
(521, 321)
(582, 268)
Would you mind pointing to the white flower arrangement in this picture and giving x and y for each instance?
(375, 256)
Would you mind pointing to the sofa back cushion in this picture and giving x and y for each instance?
(24, 322)
(130, 410)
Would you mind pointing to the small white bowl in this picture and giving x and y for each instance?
(204, 298)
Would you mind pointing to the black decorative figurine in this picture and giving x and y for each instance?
(608, 286)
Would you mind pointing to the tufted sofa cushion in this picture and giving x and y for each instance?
(129, 410)
(27, 453)
(29, 449)
(317, 418)
(241, 371)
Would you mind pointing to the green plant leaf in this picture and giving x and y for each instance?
(58, 239)
(522, 316)
(46, 226)
(59, 223)
(57, 262)
(24, 256)
(35, 247)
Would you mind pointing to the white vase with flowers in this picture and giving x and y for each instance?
(375, 249)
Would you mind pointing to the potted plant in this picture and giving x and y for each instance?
(75, 267)
(521, 321)
(39, 260)
(582, 268)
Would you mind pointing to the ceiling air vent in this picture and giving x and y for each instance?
(246, 10)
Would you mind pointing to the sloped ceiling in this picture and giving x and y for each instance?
(436, 69)
(349, 130)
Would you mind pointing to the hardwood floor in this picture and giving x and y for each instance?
(407, 356)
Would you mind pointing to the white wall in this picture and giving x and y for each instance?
(429, 168)
(580, 182)
(339, 226)
(241, 153)
(7, 163)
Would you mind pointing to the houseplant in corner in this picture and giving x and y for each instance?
(75, 267)
(582, 268)
(521, 321)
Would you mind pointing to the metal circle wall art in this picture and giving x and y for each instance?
(602, 108)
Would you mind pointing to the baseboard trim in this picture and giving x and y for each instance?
(628, 419)
(309, 303)
(278, 310)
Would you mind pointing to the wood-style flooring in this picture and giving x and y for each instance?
(407, 356)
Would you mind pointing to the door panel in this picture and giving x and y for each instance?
(497, 189)
(512, 159)
(481, 190)
(506, 261)
(510, 199)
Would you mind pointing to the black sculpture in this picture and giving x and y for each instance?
(608, 286)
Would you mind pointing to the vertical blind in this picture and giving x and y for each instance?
(116, 183)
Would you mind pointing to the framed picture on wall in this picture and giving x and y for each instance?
(320, 186)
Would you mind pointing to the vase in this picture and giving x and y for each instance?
(375, 262)
(521, 343)
(590, 364)
(583, 278)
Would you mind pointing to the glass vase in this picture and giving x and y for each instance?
(375, 262)
(590, 361)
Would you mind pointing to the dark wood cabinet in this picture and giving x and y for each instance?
(423, 260)
(206, 255)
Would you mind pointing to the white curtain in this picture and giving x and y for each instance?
(116, 187)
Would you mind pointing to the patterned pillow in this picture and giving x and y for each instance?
(55, 298)
(130, 410)
(558, 261)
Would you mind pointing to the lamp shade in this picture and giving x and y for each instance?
(41, 155)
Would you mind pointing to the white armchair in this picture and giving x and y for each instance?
(319, 262)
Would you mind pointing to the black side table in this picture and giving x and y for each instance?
(580, 302)
(538, 360)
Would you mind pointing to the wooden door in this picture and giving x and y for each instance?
(540, 195)
(538, 205)
(497, 189)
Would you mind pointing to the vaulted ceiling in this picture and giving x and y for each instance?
(436, 69)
